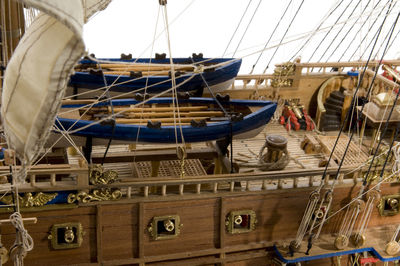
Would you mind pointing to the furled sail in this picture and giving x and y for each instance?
(37, 74)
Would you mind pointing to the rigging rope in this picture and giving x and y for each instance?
(248, 25)
(147, 78)
(312, 33)
(362, 25)
(174, 90)
(317, 191)
(290, 24)
(270, 37)
(341, 41)
(390, 6)
(237, 27)
(324, 38)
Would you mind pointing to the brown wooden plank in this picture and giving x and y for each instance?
(99, 235)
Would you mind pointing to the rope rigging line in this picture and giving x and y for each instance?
(270, 37)
(112, 120)
(148, 68)
(144, 50)
(237, 27)
(247, 27)
(174, 90)
(362, 108)
(395, 37)
(389, 5)
(348, 224)
(347, 33)
(121, 112)
(290, 24)
(312, 33)
(360, 58)
(306, 219)
(362, 26)
(360, 196)
(348, 113)
(326, 35)
(388, 35)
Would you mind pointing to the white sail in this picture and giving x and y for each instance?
(37, 74)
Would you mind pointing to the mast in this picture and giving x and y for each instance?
(12, 27)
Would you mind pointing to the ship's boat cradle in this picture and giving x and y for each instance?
(117, 232)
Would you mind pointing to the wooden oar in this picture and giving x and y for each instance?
(145, 67)
(144, 74)
(169, 114)
(159, 109)
(162, 120)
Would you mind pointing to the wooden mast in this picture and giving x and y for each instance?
(12, 27)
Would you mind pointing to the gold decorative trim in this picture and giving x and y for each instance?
(97, 176)
(103, 194)
(242, 221)
(29, 200)
(66, 235)
(165, 227)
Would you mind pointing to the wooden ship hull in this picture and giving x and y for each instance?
(149, 205)
(115, 227)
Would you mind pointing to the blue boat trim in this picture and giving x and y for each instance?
(61, 198)
(334, 254)
(166, 134)
(157, 84)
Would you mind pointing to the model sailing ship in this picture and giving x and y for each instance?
(272, 199)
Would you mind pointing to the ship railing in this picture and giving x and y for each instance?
(51, 177)
(302, 70)
(231, 183)
(76, 179)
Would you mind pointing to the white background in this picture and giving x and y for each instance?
(128, 26)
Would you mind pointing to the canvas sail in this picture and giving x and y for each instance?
(37, 74)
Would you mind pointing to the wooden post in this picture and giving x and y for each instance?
(99, 240)
(346, 104)
(53, 179)
(264, 184)
(141, 229)
(222, 229)
(217, 166)
(129, 192)
(32, 179)
(297, 76)
(82, 179)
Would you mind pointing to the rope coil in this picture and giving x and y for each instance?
(23, 242)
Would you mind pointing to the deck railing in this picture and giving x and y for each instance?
(309, 70)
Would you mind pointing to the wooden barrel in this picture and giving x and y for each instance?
(275, 145)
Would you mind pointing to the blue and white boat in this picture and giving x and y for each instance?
(201, 119)
(154, 75)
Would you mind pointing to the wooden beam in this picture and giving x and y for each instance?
(152, 155)
(99, 238)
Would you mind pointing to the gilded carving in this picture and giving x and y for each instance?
(103, 194)
(30, 200)
(98, 176)
(281, 74)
